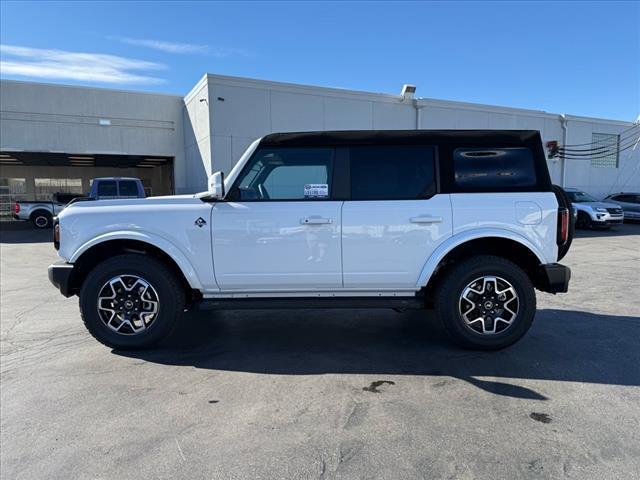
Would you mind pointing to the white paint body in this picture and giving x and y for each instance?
(305, 248)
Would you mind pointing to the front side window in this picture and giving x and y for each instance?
(494, 168)
(403, 172)
(287, 174)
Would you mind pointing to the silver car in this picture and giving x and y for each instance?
(630, 203)
(592, 213)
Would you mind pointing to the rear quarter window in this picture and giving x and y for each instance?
(487, 169)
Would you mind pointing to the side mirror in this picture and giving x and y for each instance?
(216, 185)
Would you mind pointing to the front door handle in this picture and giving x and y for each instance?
(315, 220)
(425, 219)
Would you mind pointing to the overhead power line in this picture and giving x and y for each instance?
(611, 148)
(634, 126)
(604, 143)
(598, 155)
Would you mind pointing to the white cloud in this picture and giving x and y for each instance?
(176, 47)
(64, 65)
(170, 47)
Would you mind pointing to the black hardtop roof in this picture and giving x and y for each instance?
(486, 138)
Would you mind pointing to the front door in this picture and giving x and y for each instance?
(278, 228)
(394, 220)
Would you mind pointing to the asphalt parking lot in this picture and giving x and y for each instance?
(324, 394)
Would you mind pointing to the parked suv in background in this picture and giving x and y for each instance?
(629, 202)
(466, 222)
(592, 213)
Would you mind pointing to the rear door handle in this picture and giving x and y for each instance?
(425, 219)
(315, 220)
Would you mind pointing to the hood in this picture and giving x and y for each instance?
(138, 202)
(597, 204)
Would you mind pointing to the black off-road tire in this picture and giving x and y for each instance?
(565, 202)
(584, 221)
(42, 219)
(447, 298)
(170, 293)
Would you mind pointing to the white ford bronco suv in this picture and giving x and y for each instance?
(465, 222)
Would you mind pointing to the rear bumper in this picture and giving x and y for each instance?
(554, 278)
(60, 275)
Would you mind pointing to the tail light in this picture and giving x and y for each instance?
(56, 233)
(563, 225)
(16, 208)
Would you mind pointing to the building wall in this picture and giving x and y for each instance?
(242, 110)
(212, 125)
(57, 118)
(197, 138)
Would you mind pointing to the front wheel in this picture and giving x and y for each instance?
(486, 303)
(584, 221)
(131, 301)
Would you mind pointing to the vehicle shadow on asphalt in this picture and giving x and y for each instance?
(23, 232)
(562, 345)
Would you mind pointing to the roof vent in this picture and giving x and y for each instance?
(408, 91)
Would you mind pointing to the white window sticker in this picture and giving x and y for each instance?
(316, 190)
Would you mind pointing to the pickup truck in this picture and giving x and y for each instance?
(465, 222)
(41, 213)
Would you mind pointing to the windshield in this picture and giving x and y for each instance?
(578, 197)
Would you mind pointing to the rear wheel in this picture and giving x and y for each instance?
(486, 303)
(42, 219)
(131, 301)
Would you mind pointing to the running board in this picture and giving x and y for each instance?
(309, 302)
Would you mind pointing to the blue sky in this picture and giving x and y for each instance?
(581, 58)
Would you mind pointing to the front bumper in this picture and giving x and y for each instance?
(601, 218)
(61, 276)
(554, 278)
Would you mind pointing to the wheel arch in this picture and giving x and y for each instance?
(104, 247)
(506, 245)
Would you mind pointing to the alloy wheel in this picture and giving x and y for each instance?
(128, 304)
(488, 305)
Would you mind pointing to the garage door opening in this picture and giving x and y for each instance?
(38, 175)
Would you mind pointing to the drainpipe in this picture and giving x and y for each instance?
(418, 107)
(563, 124)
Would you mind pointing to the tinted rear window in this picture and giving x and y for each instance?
(107, 189)
(392, 172)
(494, 168)
(128, 188)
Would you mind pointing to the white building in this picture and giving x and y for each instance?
(56, 138)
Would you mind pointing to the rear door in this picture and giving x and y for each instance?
(394, 219)
(279, 228)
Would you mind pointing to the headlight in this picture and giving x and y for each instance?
(601, 210)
